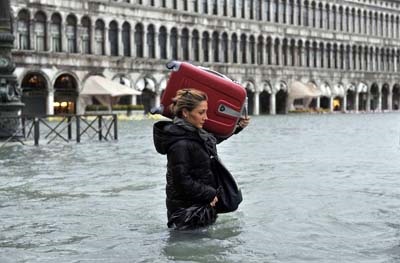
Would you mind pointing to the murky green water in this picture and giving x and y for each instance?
(317, 188)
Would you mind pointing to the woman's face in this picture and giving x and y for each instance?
(198, 115)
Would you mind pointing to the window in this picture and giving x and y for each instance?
(23, 30)
(139, 40)
(99, 38)
(85, 35)
(113, 38)
(71, 34)
(163, 43)
(40, 31)
(151, 41)
(126, 39)
(55, 33)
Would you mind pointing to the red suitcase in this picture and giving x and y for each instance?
(226, 98)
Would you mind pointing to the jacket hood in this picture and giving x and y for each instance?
(166, 133)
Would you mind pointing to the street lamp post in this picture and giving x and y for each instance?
(10, 96)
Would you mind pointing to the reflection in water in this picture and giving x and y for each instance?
(212, 244)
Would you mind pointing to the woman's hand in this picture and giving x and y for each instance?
(214, 201)
(243, 122)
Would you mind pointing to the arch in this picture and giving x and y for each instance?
(151, 41)
(55, 32)
(234, 48)
(225, 47)
(23, 29)
(374, 96)
(147, 85)
(35, 89)
(215, 46)
(196, 45)
(281, 95)
(40, 31)
(100, 37)
(139, 40)
(162, 41)
(71, 33)
(269, 50)
(126, 39)
(185, 44)
(385, 96)
(243, 48)
(265, 97)
(113, 38)
(260, 50)
(65, 94)
(86, 31)
(252, 49)
(396, 97)
(206, 46)
(338, 95)
(362, 91)
(351, 97)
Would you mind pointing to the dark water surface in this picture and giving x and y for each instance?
(317, 188)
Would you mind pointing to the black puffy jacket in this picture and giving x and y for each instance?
(189, 176)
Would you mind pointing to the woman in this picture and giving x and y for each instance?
(190, 180)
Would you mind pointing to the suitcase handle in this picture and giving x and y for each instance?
(174, 65)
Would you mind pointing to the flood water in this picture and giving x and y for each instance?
(316, 188)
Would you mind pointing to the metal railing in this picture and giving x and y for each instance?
(66, 128)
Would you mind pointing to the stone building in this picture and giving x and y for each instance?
(348, 49)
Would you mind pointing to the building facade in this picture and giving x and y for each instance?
(348, 49)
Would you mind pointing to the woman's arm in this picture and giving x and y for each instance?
(243, 123)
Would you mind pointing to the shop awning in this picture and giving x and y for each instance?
(100, 86)
(299, 90)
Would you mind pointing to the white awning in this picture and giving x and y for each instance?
(98, 86)
(298, 90)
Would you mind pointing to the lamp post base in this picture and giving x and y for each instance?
(10, 121)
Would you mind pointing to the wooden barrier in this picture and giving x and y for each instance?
(60, 127)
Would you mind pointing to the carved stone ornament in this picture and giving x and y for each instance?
(4, 62)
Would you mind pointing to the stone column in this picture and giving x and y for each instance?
(357, 101)
(32, 35)
(133, 44)
(229, 8)
(120, 44)
(379, 108)
(157, 46)
(262, 11)
(158, 99)
(271, 11)
(50, 102)
(146, 44)
(230, 49)
(107, 41)
(272, 103)
(368, 102)
(92, 43)
(48, 46)
(64, 40)
(344, 106)
(390, 101)
(256, 103)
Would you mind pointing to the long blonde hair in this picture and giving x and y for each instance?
(186, 99)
